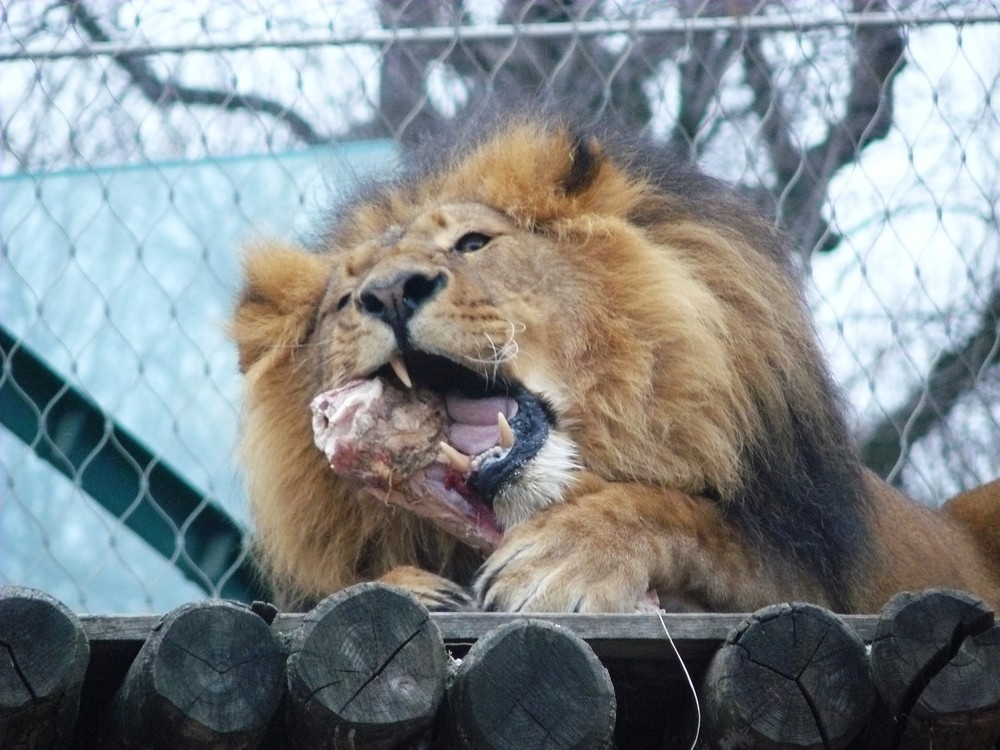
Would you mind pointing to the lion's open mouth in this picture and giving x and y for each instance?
(495, 426)
(435, 437)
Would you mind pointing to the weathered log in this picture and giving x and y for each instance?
(630, 637)
(791, 676)
(210, 675)
(529, 684)
(366, 669)
(936, 667)
(42, 666)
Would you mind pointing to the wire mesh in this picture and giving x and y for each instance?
(143, 141)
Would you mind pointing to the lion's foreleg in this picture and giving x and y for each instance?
(609, 543)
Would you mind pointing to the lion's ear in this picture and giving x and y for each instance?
(585, 162)
(537, 172)
(282, 288)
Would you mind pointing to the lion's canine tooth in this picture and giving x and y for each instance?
(399, 367)
(455, 458)
(506, 433)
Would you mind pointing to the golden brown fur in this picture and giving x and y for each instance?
(654, 315)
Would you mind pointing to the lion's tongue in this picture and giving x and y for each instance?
(474, 426)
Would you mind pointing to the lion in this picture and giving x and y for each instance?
(552, 373)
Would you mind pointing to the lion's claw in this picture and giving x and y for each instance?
(435, 593)
(532, 572)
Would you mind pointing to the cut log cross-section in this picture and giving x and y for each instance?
(936, 666)
(791, 676)
(210, 675)
(530, 684)
(366, 670)
(44, 654)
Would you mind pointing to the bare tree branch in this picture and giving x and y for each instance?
(165, 93)
(700, 77)
(953, 374)
(405, 112)
(578, 75)
(803, 177)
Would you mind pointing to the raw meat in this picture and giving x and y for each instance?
(388, 440)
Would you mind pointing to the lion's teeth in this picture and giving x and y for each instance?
(399, 367)
(506, 433)
(455, 458)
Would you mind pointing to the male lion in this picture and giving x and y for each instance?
(615, 356)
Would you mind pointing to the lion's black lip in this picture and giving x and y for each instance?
(531, 430)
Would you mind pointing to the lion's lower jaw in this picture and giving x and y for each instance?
(543, 481)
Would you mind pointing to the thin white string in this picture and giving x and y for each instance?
(694, 692)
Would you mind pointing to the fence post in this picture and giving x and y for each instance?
(936, 666)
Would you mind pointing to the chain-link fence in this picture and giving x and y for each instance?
(143, 141)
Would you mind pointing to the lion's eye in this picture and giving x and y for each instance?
(342, 302)
(472, 241)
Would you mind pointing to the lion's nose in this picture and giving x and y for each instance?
(396, 299)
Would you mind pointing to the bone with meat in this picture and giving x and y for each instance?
(378, 435)
(388, 441)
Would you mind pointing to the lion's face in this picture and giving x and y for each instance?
(460, 301)
(579, 331)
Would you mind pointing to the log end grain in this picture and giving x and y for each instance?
(791, 676)
(531, 684)
(44, 655)
(368, 664)
(211, 674)
(936, 667)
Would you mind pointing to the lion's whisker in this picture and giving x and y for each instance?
(500, 353)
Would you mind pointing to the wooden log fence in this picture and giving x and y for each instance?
(370, 668)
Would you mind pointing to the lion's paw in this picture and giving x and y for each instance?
(437, 594)
(538, 569)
